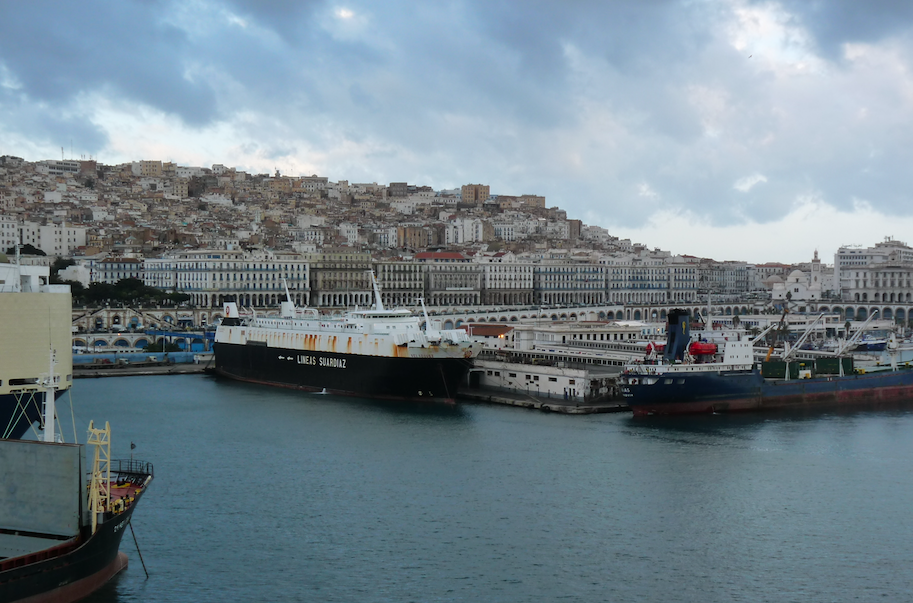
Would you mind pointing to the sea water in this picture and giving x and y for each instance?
(265, 494)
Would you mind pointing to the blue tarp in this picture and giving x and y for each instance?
(175, 357)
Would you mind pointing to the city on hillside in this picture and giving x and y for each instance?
(219, 234)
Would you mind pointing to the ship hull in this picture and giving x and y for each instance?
(396, 378)
(72, 574)
(672, 393)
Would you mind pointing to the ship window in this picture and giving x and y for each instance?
(26, 381)
(497, 373)
(680, 381)
(571, 381)
(535, 377)
(489, 373)
(667, 381)
(511, 374)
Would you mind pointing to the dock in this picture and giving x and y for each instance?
(567, 407)
(484, 396)
(94, 371)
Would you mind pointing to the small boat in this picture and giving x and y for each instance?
(702, 348)
(872, 344)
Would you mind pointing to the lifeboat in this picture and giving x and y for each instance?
(656, 345)
(699, 348)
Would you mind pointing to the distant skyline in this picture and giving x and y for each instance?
(730, 129)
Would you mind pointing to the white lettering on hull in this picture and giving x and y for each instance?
(323, 361)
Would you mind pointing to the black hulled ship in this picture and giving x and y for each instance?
(374, 352)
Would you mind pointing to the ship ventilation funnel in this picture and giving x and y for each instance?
(678, 335)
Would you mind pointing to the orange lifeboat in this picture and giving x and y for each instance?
(656, 345)
(699, 348)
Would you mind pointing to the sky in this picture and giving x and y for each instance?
(729, 129)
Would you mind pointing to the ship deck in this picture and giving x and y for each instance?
(15, 543)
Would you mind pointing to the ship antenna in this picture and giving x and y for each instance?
(378, 304)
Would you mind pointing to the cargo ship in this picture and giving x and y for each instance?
(374, 352)
(35, 318)
(62, 518)
(722, 375)
(56, 542)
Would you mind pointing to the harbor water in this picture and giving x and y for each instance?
(271, 495)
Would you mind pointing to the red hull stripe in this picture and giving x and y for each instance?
(861, 398)
(81, 588)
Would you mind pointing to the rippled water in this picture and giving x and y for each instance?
(270, 495)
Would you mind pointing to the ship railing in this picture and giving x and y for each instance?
(129, 467)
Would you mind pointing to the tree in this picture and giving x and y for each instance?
(26, 249)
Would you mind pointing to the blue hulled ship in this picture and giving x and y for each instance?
(696, 376)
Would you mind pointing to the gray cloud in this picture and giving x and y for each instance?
(58, 50)
(836, 22)
(584, 102)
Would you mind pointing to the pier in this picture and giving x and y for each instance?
(567, 407)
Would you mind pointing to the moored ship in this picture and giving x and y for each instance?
(376, 352)
(56, 543)
(61, 525)
(723, 376)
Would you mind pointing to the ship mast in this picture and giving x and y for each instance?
(50, 397)
(378, 304)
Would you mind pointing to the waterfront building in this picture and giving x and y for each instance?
(506, 280)
(563, 282)
(340, 278)
(401, 282)
(451, 279)
(855, 268)
(682, 279)
(638, 279)
(113, 269)
(213, 276)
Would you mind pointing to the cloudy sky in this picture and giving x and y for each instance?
(731, 129)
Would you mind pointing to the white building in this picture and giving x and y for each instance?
(852, 264)
(54, 239)
(9, 232)
(214, 276)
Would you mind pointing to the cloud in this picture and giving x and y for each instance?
(838, 22)
(581, 102)
(788, 239)
(747, 183)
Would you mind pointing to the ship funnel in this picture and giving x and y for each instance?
(678, 335)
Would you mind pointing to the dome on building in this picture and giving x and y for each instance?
(773, 279)
(795, 276)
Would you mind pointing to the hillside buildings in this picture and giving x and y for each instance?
(220, 234)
